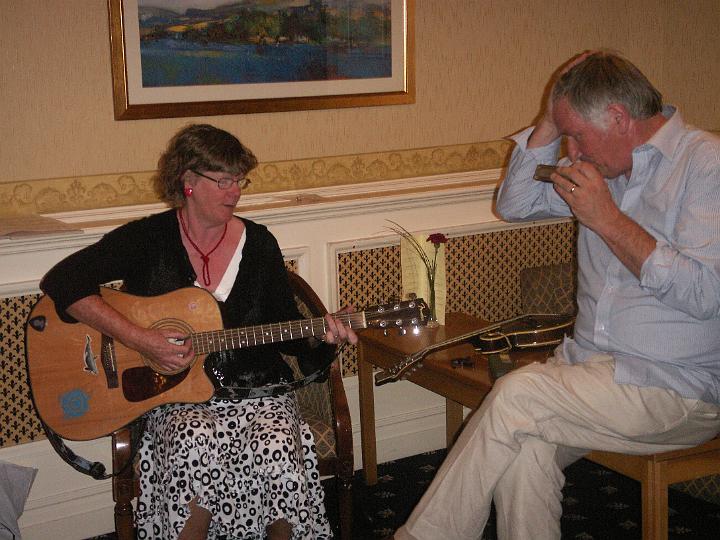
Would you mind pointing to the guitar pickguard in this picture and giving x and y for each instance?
(142, 383)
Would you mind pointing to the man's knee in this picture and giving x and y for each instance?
(519, 387)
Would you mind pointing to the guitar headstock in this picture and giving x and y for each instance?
(400, 370)
(398, 314)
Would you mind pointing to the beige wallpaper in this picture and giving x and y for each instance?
(481, 66)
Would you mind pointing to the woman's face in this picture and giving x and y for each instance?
(208, 200)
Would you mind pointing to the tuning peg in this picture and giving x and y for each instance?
(402, 331)
(385, 332)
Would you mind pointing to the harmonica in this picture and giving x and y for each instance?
(543, 172)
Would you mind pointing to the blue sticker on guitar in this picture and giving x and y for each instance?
(74, 403)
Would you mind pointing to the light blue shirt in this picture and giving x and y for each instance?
(664, 329)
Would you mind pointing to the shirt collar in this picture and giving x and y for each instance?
(667, 138)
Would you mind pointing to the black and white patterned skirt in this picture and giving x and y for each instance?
(248, 462)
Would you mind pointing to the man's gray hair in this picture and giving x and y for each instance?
(604, 78)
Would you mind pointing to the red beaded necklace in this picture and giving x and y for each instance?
(204, 256)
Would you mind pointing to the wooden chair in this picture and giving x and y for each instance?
(323, 406)
(552, 289)
(656, 472)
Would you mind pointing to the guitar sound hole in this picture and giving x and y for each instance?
(176, 325)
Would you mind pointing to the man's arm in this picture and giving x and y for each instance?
(520, 197)
(586, 192)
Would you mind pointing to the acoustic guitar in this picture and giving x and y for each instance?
(523, 332)
(86, 385)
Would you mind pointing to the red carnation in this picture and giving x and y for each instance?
(437, 238)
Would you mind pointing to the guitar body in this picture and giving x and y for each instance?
(83, 391)
(527, 331)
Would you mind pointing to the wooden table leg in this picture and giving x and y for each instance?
(453, 420)
(367, 417)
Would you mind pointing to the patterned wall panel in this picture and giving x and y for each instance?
(366, 278)
(481, 271)
(18, 421)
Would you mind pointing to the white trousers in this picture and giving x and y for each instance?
(536, 421)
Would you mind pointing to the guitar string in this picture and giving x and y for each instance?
(210, 341)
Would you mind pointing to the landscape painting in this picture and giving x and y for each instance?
(190, 57)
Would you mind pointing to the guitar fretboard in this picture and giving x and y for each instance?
(249, 336)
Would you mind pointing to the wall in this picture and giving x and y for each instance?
(481, 67)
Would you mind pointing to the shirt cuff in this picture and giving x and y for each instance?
(656, 269)
(546, 155)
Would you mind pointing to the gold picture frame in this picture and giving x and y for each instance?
(134, 100)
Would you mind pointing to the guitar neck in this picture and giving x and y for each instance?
(250, 336)
(415, 360)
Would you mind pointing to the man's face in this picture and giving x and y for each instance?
(604, 147)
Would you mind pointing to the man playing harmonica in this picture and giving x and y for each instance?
(642, 372)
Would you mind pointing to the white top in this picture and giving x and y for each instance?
(222, 291)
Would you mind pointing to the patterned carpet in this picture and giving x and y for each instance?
(599, 504)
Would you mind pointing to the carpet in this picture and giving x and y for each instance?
(599, 504)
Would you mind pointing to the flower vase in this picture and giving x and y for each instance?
(432, 319)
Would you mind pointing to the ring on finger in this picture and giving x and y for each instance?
(572, 189)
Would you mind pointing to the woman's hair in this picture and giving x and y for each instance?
(604, 78)
(201, 147)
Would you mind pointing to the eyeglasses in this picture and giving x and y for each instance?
(225, 182)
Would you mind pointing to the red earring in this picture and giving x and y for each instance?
(187, 191)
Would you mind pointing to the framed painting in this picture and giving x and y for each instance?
(205, 57)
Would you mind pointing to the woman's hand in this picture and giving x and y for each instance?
(337, 332)
(170, 350)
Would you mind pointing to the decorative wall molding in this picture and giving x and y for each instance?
(43, 196)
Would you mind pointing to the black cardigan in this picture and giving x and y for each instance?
(148, 256)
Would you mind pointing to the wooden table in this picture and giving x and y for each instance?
(461, 386)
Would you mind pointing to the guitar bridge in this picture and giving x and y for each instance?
(107, 359)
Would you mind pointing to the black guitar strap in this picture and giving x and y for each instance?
(95, 469)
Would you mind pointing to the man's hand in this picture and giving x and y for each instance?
(585, 191)
(546, 131)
